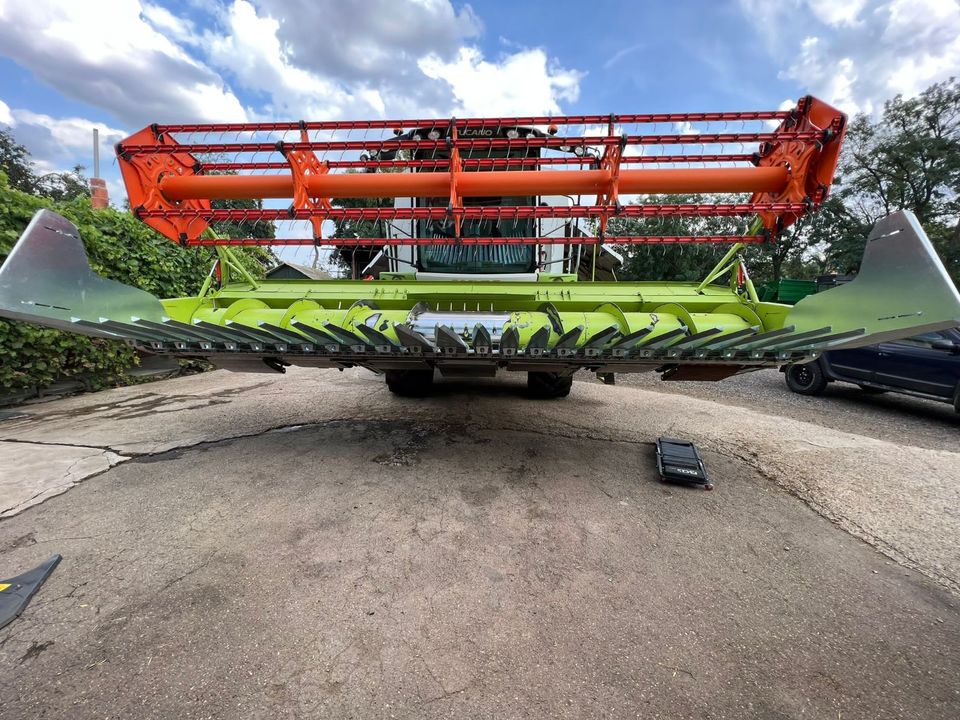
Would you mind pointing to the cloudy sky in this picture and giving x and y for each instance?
(69, 66)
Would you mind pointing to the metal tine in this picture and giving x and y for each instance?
(568, 341)
(718, 342)
(775, 342)
(412, 340)
(221, 333)
(537, 344)
(256, 334)
(316, 334)
(291, 337)
(181, 337)
(448, 340)
(481, 340)
(346, 337)
(175, 333)
(696, 337)
(596, 342)
(826, 341)
(633, 338)
(601, 338)
(566, 346)
(510, 341)
(661, 340)
(188, 329)
(760, 336)
(123, 329)
(247, 335)
(377, 338)
(212, 334)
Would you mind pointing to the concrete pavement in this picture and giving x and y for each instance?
(309, 546)
(895, 496)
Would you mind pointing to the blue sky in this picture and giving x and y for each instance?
(66, 67)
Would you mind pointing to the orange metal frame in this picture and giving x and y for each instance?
(170, 188)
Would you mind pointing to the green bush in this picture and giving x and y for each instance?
(120, 247)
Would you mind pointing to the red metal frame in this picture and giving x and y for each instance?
(172, 181)
(547, 240)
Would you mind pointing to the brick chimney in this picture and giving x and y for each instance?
(98, 193)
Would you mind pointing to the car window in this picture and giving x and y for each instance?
(925, 341)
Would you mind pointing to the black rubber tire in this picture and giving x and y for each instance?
(872, 390)
(806, 379)
(548, 385)
(410, 383)
(956, 399)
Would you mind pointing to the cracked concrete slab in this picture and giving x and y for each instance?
(899, 498)
(462, 558)
(32, 472)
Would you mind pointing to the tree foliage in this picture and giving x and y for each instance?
(16, 164)
(671, 262)
(356, 258)
(908, 158)
(241, 228)
(119, 247)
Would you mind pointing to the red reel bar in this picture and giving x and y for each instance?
(172, 181)
(521, 212)
(527, 120)
(126, 150)
(486, 163)
(547, 240)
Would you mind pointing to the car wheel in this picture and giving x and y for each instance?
(872, 390)
(956, 399)
(410, 383)
(548, 385)
(806, 379)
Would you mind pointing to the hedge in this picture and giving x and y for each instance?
(120, 247)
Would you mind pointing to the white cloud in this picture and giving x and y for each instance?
(138, 62)
(856, 55)
(178, 28)
(110, 57)
(379, 43)
(393, 59)
(837, 12)
(318, 59)
(70, 133)
(524, 82)
(57, 144)
(251, 52)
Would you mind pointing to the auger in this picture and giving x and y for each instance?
(494, 252)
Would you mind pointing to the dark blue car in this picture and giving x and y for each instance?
(926, 366)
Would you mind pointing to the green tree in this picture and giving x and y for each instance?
(63, 186)
(668, 262)
(353, 259)
(908, 159)
(689, 262)
(119, 247)
(16, 164)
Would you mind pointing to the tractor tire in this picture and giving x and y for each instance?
(409, 383)
(806, 379)
(548, 385)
